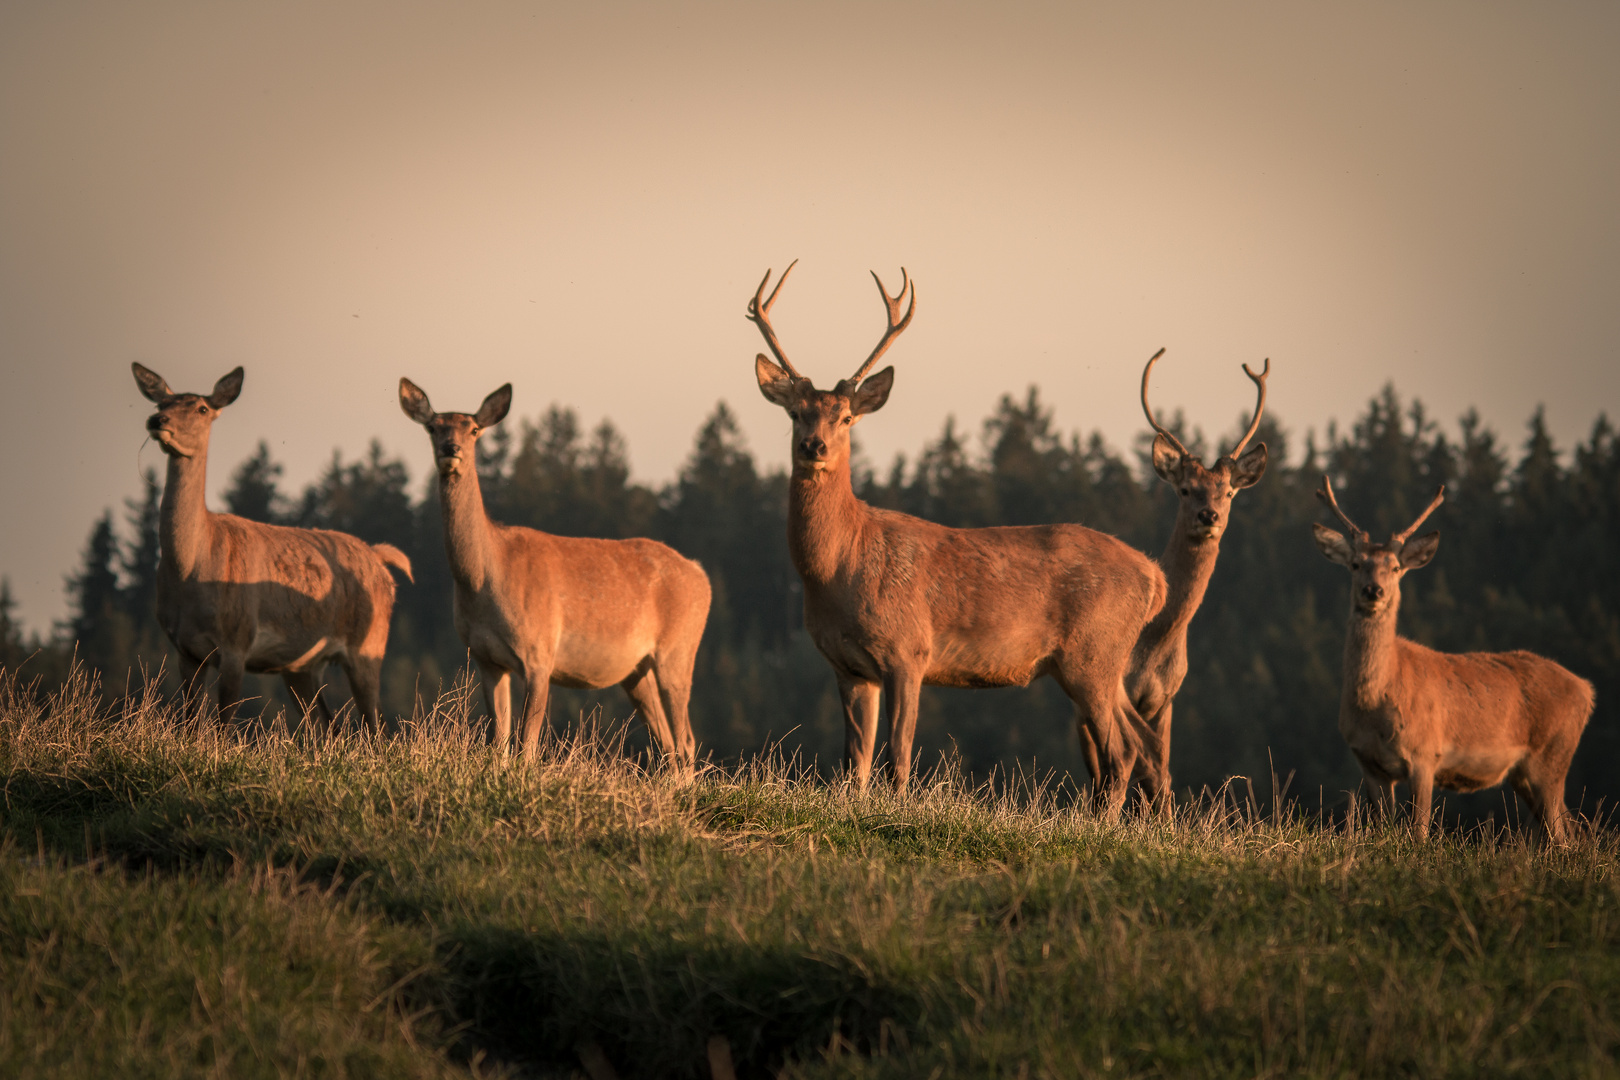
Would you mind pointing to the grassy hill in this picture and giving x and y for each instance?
(175, 901)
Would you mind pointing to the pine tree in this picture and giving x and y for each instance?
(253, 493)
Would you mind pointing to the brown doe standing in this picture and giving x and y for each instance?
(1465, 721)
(894, 602)
(247, 596)
(568, 610)
(1159, 661)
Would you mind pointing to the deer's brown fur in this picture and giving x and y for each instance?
(1463, 721)
(894, 602)
(560, 609)
(1203, 510)
(247, 596)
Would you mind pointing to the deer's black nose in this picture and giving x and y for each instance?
(448, 448)
(1373, 592)
(1208, 517)
(813, 448)
(154, 422)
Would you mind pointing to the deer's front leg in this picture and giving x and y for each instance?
(232, 666)
(860, 727)
(903, 689)
(1422, 782)
(537, 683)
(497, 684)
(192, 694)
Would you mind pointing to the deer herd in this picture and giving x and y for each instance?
(892, 601)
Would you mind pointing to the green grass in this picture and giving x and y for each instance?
(177, 901)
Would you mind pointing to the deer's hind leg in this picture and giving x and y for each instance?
(1540, 783)
(643, 688)
(1103, 721)
(673, 670)
(365, 683)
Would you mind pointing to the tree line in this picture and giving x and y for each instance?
(1527, 560)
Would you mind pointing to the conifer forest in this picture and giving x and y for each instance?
(1528, 560)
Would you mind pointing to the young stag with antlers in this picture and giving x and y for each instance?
(1159, 661)
(1464, 721)
(894, 602)
(560, 609)
(247, 596)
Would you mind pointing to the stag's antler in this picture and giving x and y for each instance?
(759, 310)
(1259, 408)
(1175, 442)
(1325, 493)
(1406, 533)
(893, 304)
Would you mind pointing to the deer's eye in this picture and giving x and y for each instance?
(202, 410)
(849, 419)
(1185, 491)
(1355, 565)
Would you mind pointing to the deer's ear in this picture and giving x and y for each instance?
(1417, 552)
(415, 402)
(226, 389)
(774, 383)
(1248, 469)
(493, 410)
(1334, 545)
(872, 393)
(151, 384)
(1166, 460)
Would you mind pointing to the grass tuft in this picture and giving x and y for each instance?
(180, 900)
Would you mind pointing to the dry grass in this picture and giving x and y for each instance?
(175, 900)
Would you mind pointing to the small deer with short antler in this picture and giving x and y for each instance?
(574, 611)
(894, 602)
(1464, 721)
(1159, 661)
(248, 596)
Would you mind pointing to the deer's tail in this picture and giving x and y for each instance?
(392, 556)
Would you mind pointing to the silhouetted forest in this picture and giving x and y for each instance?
(1528, 559)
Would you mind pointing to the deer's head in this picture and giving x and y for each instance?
(454, 435)
(1375, 569)
(1206, 493)
(822, 419)
(183, 421)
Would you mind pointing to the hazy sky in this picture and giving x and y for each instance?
(580, 198)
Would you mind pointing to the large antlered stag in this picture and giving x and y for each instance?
(247, 596)
(561, 609)
(894, 602)
(1159, 661)
(1465, 721)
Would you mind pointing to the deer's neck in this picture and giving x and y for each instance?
(1370, 657)
(184, 525)
(824, 523)
(1188, 565)
(468, 537)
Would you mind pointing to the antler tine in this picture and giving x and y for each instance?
(1182, 450)
(1325, 493)
(1259, 408)
(893, 304)
(759, 311)
(1434, 503)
